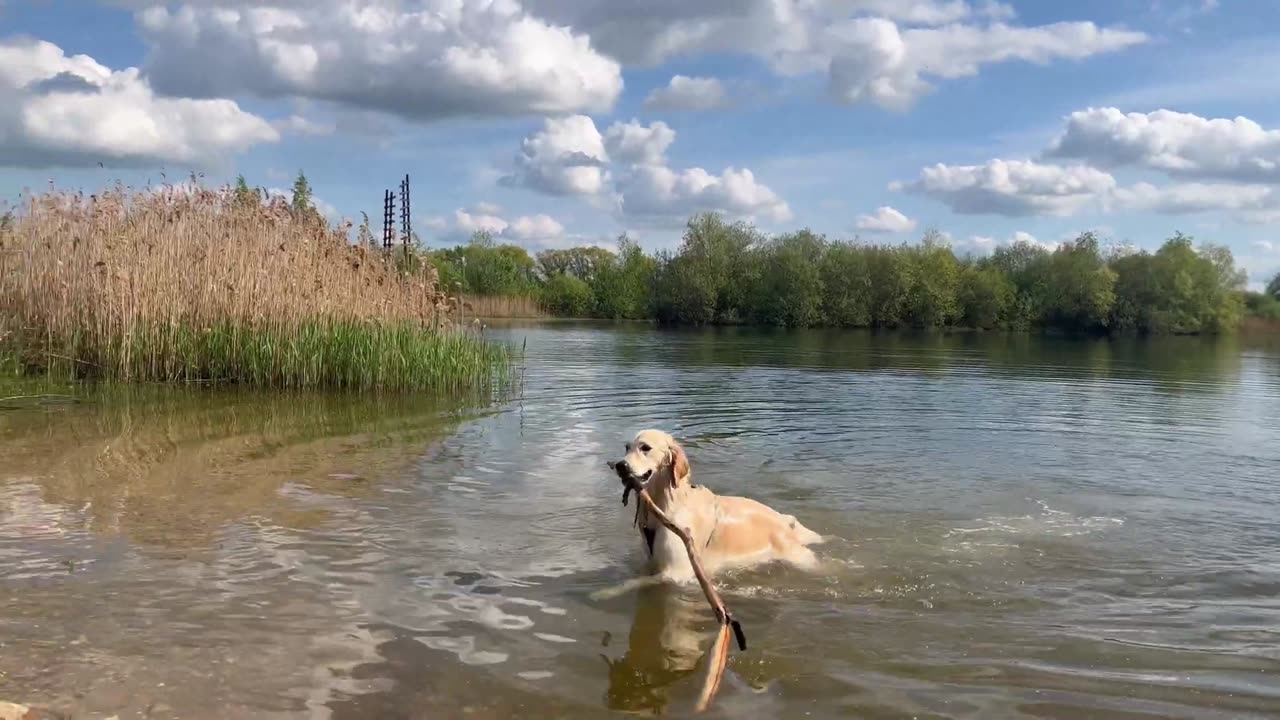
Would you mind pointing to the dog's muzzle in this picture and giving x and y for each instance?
(626, 475)
(630, 480)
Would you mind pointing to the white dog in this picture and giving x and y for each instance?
(727, 531)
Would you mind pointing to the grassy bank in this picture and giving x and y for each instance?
(218, 286)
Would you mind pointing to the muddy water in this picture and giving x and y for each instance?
(1021, 528)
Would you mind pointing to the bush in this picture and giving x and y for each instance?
(567, 296)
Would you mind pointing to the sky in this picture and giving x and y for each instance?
(554, 123)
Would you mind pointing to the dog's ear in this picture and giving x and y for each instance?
(679, 464)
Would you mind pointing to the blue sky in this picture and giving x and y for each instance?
(561, 122)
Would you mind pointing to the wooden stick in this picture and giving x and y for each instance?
(719, 656)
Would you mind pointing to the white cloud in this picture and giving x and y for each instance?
(71, 111)
(689, 93)
(1261, 217)
(434, 59)
(1175, 143)
(537, 227)
(985, 244)
(299, 125)
(880, 51)
(626, 168)
(488, 208)
(639, 144)
(529, 230)
(1184, 198)
(566, 157)
(665, 196)
(1014, 188)
(468, 223)
(885, 220)
(872, 59)
(1020, 188)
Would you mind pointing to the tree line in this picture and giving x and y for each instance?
(731, 273)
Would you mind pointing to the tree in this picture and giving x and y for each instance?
(1080, 285)
(567, 296)
(846, 286)
(788, 289)
(1273, 287)
(623, 286)
(302, 194)
(244, 194)
(985, 297)
(937, 277)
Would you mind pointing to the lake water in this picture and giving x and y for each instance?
(1021, 528)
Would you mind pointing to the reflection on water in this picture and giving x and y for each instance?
(1023, 527)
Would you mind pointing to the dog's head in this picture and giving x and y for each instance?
(653, 452)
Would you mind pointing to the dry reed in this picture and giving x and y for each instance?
(192, 284)
(502, 306)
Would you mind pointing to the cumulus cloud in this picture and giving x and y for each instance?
(633, 142)
(1014, 188)
(690, 94)
(1019, 188)
(432, 59)
(1185, 198)
(986, 244)
(879, 51)
(443, 58)
(626, 168)
(1216, 165)
(1175, 143)
(566, 157)
(530, 230)
(885, 220)
(660, 194)
(71, 111)
(299, 125)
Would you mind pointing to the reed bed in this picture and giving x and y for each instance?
(502, 306)
(188, 284)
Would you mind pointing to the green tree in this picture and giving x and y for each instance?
(302, 194)
(567, 296)
(1027, 265)
(623, 286)
(788, 287)
(709, 278)
(936, 274)
(243, 193)
(1137, 293)
(1080, 286)
(893, 278)
(581, 262)
(986, 297)
(846, 286)
(1273, 287)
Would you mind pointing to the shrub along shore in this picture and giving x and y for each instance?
(730, 273)
(223, 286)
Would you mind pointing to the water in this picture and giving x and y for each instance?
(1022, 528)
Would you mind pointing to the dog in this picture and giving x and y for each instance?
(728, 531)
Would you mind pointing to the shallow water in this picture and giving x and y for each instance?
(1021, 528)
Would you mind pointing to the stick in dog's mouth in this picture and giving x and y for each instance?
(720, 648)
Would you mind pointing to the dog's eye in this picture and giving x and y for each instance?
(645, 448)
